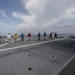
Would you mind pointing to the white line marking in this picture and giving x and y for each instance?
(31, 44)
(8, 43)
(4, 44)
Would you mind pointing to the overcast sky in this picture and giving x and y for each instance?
(17, 16)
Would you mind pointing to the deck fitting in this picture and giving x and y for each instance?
(53, 56)
(29, 68)
(8, 53)
(29, 55)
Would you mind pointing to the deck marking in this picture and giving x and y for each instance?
(32, 44)
(8, 43)
(4, 44)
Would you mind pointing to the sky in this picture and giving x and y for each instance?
(17, 16)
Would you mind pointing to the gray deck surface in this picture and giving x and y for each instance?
(68, 68)
(44, 59)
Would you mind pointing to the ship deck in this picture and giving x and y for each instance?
(35, 57)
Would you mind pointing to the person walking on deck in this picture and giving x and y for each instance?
(52, 35)
(55, 35)
(39, 35)
(45, 36)
(9, 37)
(22, 37)
(29, 36)
(15, 37)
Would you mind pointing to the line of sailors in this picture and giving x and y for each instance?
(52, 35)
(16, 37)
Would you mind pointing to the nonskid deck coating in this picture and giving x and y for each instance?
(20, 43)
(44, 59)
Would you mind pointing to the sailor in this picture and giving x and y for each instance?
(29, 36)
(0, 39)
(52, 35)
(9, 37)
(39, 35)
(15, 37)
(22, 37)
(45, 36)
(55, 35)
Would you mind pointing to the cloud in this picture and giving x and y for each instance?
(3, 13)
(6, 28)
(43, 15)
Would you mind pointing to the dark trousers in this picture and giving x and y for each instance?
(39, 38)
(22, 39)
